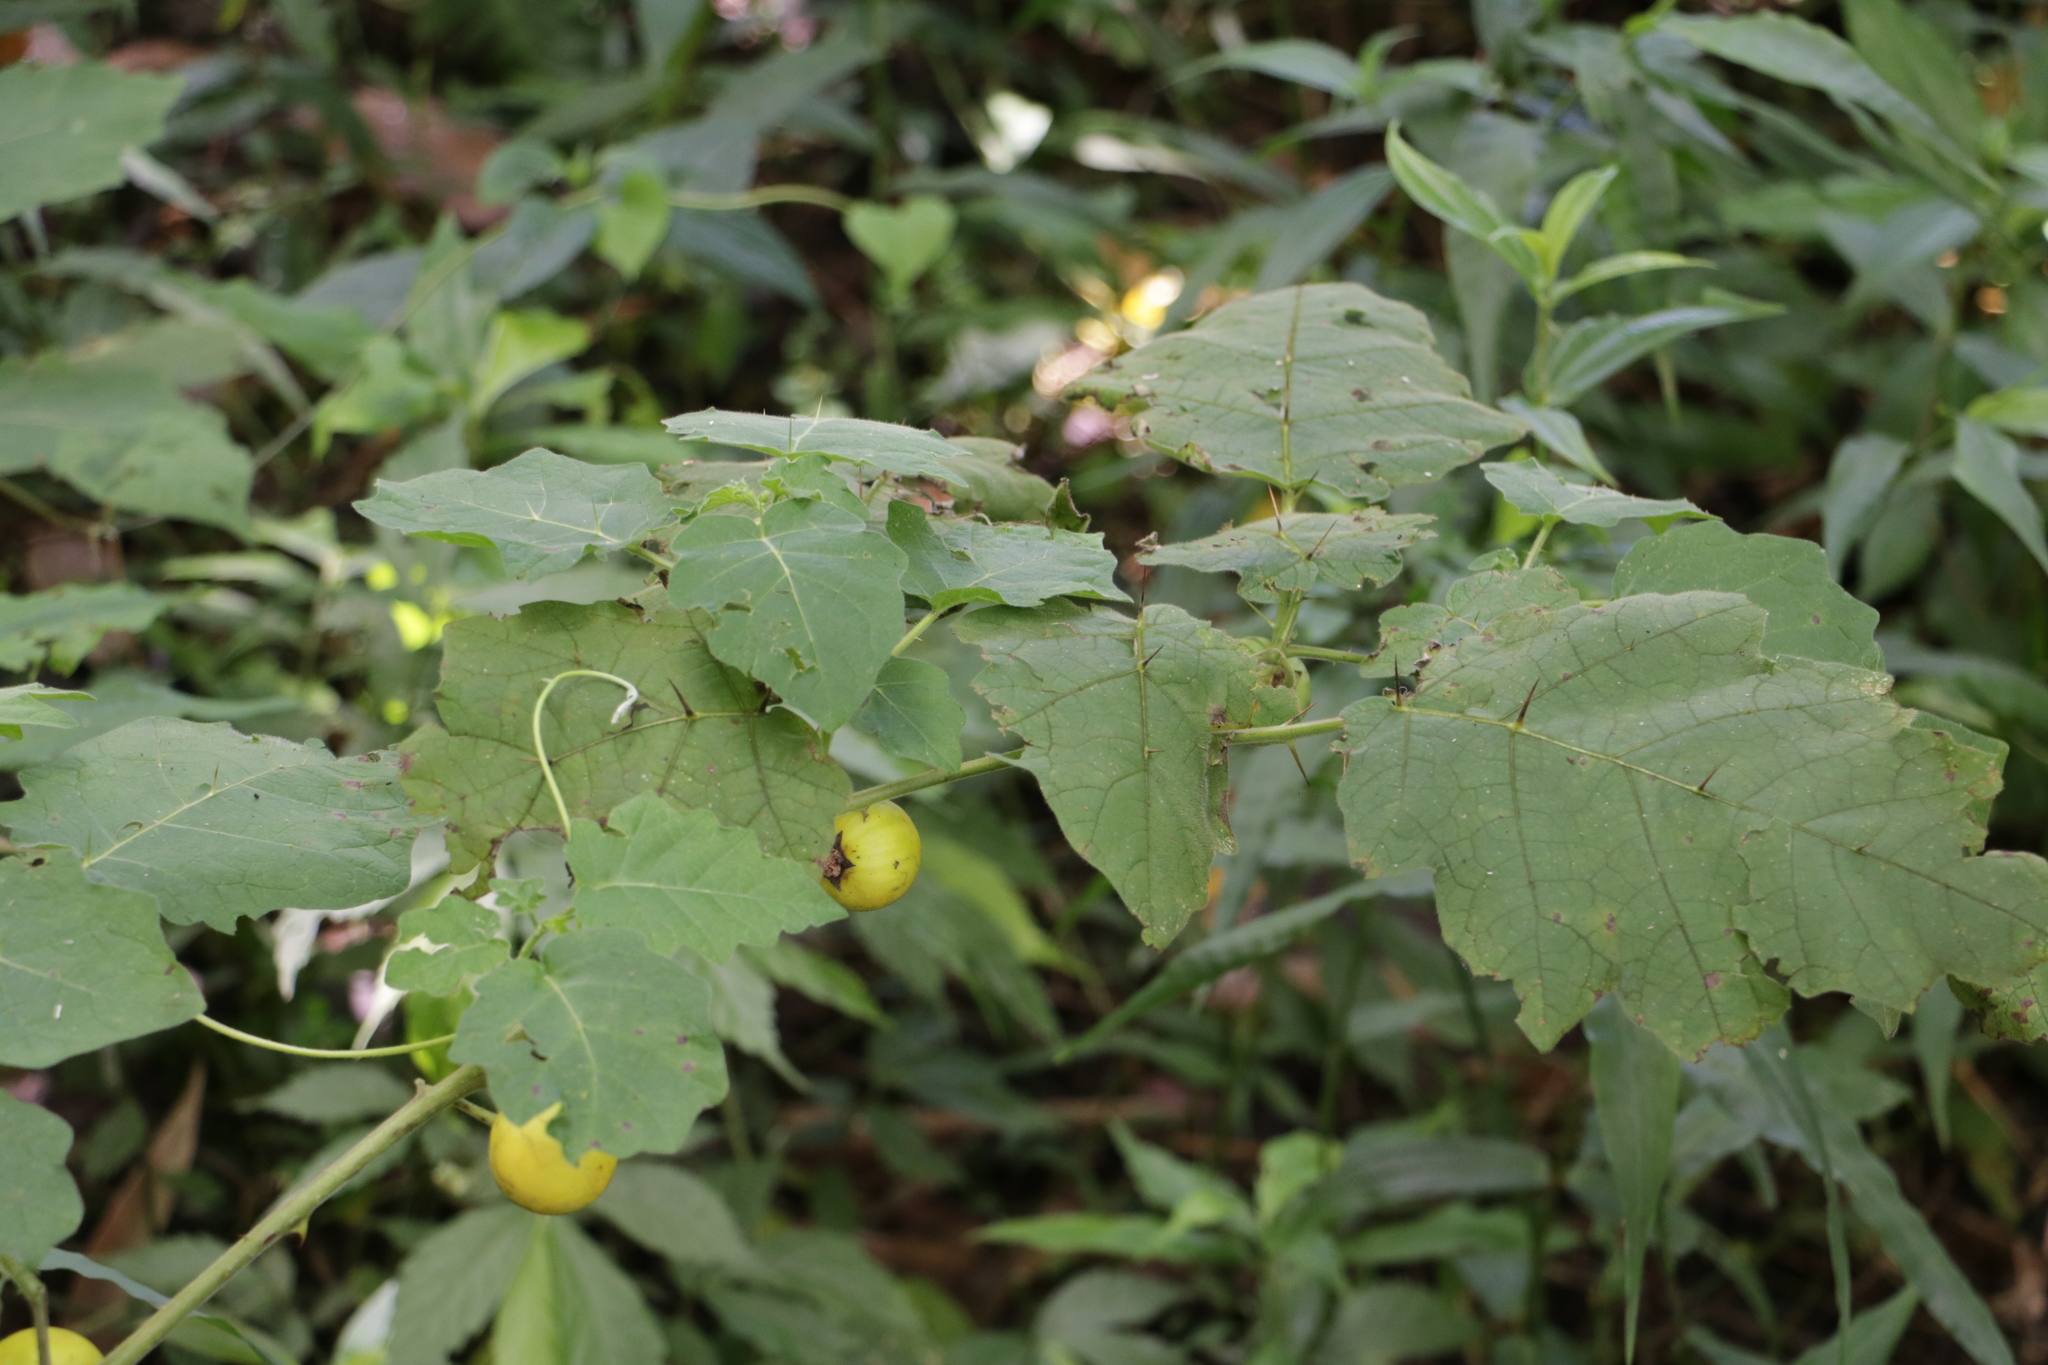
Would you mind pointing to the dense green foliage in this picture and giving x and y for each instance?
(1574, 471)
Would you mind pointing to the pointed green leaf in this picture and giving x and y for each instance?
(217, 824)
(1568, 211)
(807, 599)
(905, 241)
(1635, 1089)
(67, 127)
(954, 562)
(1294, 552)
(1634, 798)
(29, 704)
(826, 980)
(61, 626)
(1627, 263)
(521, 342)
(1803, 53)
(630, 227)
(912, 714)
(1322, 383)
(440, 946)
(884, 445)
(1120, 719)
(671, 1211)
(1540, 493)
(454, 1280)
(604, 1315)
(543, 511)
(1811, 615)
(1987, 466)
(2023, 412)
(81, 966)
(39, 1204)
(1558, 430)
(617, 1035)
(1301, 60)
(682, 880)
(1590, 350)
(1440, 191)
(699, 740)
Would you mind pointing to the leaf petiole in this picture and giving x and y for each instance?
(1536, 546)
(1335, 656)
(292, 1050)
(31, 1287)
(923, 624)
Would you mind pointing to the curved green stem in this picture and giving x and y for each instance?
(31, 1287)
(294, 1209)
(868, 796)
(292, 1050)
(540, 749)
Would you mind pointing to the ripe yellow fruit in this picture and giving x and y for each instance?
(66, 1348)
(874, 857)
(530, 1168)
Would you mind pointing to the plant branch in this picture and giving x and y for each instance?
(294, 1209)
(1335, 656)
(760, 196)
(540, 749)
(923, 624)
(1536, 546)
(1283, 734)
(292, 1050)
(889, 791)
(31, 1287)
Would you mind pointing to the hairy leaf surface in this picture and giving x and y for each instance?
(884, 445)
(1324, 383)
(1295, 552)
(618, 1035)
(1634, 798)
(29, 704)
(216, 824)
(81, 966)
(912, 714)
(1540, 493)
(952, 563)
(700, 739)
(542, 510)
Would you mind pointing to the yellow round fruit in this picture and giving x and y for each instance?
(529, 1166)
(66, 1348)
(873, 859)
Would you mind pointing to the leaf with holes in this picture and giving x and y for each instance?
(1635, 798)
(699, 739)
(1295, 552)
(618, 1035)
(1120, 720)
(682, 880)
(1323, 383)
(542, 511)
(440, 946)
(806, 596)
(952, 563)
(217, 825)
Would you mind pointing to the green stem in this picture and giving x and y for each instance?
(1283, 621)
(923, 624)
(342, 1054)
(31, 1287)
(658, 561)
(1536, 546)
(540, 750)
(1539, 362)
(1335, 656)
(295, 1209)
(903, 786)
(1283, 734)
(756, 198)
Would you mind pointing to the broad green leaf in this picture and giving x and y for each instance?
(670, 1211)
(1635, 798)
(1934, 1038)
(743, 1012)
(1381, 1169)
(2023, 412)
(389, 392)
(700, 739)
(955, 562)
(884, 445)
(1301, 60)
(81, 966)
(440, 946)
(334, 1092)
(1293, 553)
(605, 1318)
(1635, 1089)
(1791, 49)
(1915, 56)
(521, 342)
(682, 880)
(1559, 431)
(1165, 1181)
(1440, 191)
(528, 1329)
(631, 226)
(1859, 476)
(67, 127)
(29, 704)
(119, 696)
(61, 626)
(1588, 351)
(1568, 211)
(806, 596)
(217, 825)
(1126, 1236)
(1410, 635)
(125, 437)
(1535, 490)
(1627, 263)
(1120, 720)
(912, 714)
(1400, 1320)
(1811, 615)
(1442, 1234)
(904, 241)
(453, 1281)
(1988, 467)
(825, 980)
(1322, 383)
(617, 1035)
(39, 1204)
(982, 474)
(543, 511)
(1253, 941)
(1289, 1165)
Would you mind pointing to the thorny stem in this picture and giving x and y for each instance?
(923, 624)
(343, 1054)
(1282, 734)
(540, 749)
(295, 1209)
(1536, 546)
(1335, 656)
(31, 1288)
(1283, 621)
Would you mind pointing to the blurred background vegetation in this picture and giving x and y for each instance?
(395, 236)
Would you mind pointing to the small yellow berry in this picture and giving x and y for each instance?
(66, 1348)
(873, 859)
(528, 1164)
